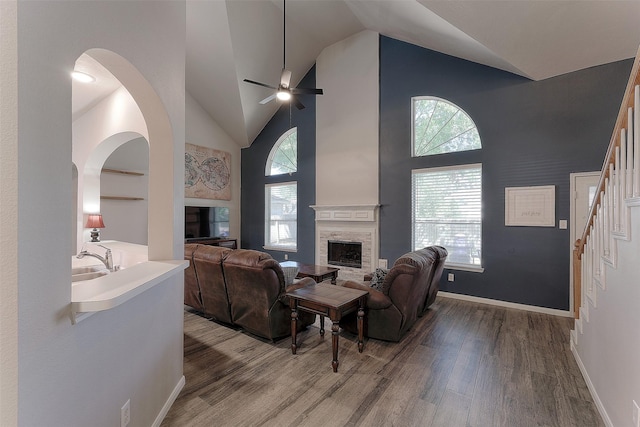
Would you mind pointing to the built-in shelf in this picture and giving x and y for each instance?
(121, 172)
(121, 198)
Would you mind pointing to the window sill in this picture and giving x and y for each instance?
(464, 267)
(280, 248)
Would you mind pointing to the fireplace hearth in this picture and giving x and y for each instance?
(346, 254)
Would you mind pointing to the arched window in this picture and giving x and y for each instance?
(283, 157)
(441, 127)
(281, 198)
(446, 201)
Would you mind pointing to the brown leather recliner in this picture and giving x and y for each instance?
(209, 283)
(243, 288)
(192, 295)
(391, 312)
(434, 284)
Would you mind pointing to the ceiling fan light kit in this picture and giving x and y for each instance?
(284, 92)
(283, 95)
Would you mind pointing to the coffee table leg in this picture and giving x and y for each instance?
(335, 333)
(334, 276)
(294, 326)
(322, 326)
(360, 328)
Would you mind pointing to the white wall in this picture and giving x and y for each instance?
(79, 375)
(8, 214)
(347, 122)
(609, 347)
(204, 131)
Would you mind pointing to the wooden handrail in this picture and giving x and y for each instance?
(577, 280)
(610, 158)
(614, 203)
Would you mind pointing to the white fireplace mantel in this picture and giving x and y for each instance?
(360, 213)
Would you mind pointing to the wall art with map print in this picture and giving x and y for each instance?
(207, 173)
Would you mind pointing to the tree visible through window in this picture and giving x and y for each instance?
(447, 211)
(441, 127)
(283, 157)
(281, 199)
(281, 206)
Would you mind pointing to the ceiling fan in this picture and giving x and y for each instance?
(284, 91)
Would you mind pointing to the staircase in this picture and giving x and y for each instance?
(606, 338)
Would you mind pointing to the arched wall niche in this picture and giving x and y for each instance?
(92, 180)
(126, 220)
(158, 132)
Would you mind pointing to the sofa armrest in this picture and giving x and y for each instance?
(297, 284)
(376, 300)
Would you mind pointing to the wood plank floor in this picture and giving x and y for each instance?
(462, 364)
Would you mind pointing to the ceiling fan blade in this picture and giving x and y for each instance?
(307, 91)
(299, 105)
(285, 78)
(268, 99)
(259, 84)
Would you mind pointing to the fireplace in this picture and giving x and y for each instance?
(354, 224)
(346, 254)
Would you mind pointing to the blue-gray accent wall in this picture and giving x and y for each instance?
(254, 160)
(533, 133)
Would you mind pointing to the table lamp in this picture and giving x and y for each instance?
(95, 221)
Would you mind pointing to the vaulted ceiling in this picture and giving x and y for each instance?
(230, 40)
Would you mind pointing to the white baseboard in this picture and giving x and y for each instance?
(552, 311)
(172, 398)
(592, 389)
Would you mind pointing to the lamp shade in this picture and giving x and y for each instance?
(95, 221)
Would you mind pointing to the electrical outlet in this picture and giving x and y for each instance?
(286, 257)
(382, 263)
(636, 415)
(451, 277)
(125, 414)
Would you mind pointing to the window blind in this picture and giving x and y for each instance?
(447, 211)
(281, 205)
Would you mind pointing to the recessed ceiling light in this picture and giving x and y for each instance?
(83, 77)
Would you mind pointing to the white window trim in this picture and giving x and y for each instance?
(463, 267)
(448, 265)
(267, 219)
(274, 150)
(413, 127)
(446, 168)
(280, 248)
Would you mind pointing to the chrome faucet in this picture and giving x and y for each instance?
(107, 260)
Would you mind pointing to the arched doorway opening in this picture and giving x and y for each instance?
(130, 112)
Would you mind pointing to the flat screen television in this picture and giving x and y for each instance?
(206, 222)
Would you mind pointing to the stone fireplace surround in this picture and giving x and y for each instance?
(356, 223)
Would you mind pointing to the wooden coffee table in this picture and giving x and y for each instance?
(332, 301)
(316, 272)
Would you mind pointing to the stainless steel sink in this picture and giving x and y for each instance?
(87, 269)
(87, 273)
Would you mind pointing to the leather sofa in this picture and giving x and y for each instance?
(241, 287)
(434, 286)
(409, 288)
